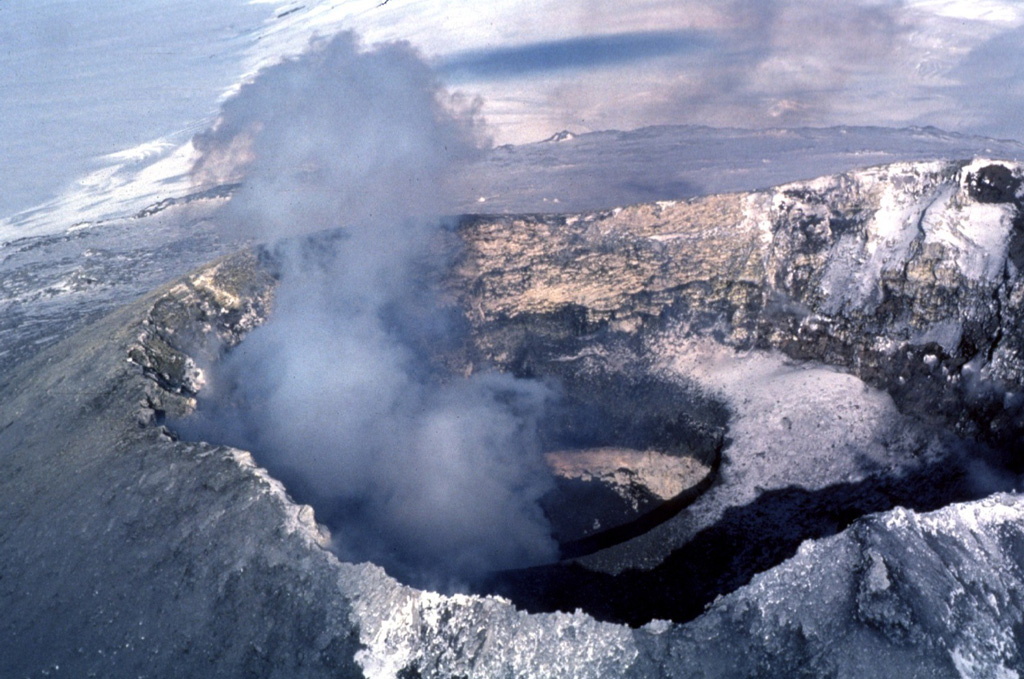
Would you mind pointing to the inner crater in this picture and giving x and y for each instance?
(627, 449)
(604, 448)
(623, 449)
(544, 457)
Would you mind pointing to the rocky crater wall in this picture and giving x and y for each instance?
(895, 274)
(906, 275)
(123, 551)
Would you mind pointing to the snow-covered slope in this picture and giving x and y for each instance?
(611, 168)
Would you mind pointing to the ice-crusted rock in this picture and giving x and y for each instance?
(897, 595)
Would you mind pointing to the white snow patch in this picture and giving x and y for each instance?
(757, 218)
(970, 668)
(890, 233)
(978, 235)
(478, 636)
(141, 152)
(918, 203)
(666, 237)
(299, 519)
(111, 192)
(986, 11)
(977, 516)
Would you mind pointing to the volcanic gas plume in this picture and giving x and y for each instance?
(433, 476)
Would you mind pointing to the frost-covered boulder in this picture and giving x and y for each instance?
(896, 595)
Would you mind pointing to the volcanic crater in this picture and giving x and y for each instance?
(627, 447)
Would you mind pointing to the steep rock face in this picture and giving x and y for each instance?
(198, 318)
(906, 275)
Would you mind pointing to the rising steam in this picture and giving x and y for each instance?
(436, 478)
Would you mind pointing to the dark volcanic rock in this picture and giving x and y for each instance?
(994, 184)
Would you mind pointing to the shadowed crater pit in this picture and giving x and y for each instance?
(747, 540)
(623, 449)
(628, 451)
